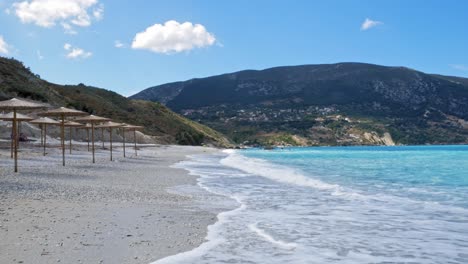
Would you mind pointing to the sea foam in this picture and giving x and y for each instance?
(274, 172)
(213, 238)
(277, 242)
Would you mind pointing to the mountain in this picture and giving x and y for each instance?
(164, 125)
(328, 104)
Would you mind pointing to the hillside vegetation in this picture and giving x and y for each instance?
(329, 104)
(160, 122)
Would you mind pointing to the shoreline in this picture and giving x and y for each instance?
(109, 212)
(287, 213)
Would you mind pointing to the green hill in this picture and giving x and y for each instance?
(160, 122)
(329, 104)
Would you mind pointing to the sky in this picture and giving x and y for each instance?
(127, 46)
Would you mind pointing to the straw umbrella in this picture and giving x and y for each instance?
(134, 128)
(102, 137)
(15, 105)
(123, 137)
(93, 120)
(71, 124)
(19, 118)
(110, 125)
(63, 112)
(44, 121)
(87, 127)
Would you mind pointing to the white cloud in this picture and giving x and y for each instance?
(75, 52)
(47, 13)
(173, 37)
(119, 44)
(39, 55)
(368, 24)
(69, 29)
(98, 12)
(459, 67)
(4, 47)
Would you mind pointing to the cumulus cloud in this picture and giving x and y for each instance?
(47, 13)
(368, 24)
(4, 47)
(459, 67)
(75, 52)
(173, 37)
(118, 44)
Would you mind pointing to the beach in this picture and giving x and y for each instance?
(125, 211)
(177, 204)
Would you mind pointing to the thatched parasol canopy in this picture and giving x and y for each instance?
(110, 125)
(134, 128)
(63, 112)
(123, 138)
(93, 120)
(44, 120)
(19, 117)
(86, 126)
(18, 104)
(71, 124)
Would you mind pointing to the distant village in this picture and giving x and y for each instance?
(229, 113)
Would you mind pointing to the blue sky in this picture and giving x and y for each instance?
(74, 41)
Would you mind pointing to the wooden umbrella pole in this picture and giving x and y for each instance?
(102, 137)
(63, 139)
(87, 136)
(14, 136)
(45, 136)
(123, 129)
(70, 132)
(42, 134)
(92, 139)
(18, 132)
(134, 139)
(110, 139)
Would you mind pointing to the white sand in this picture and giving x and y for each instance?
(108, 212)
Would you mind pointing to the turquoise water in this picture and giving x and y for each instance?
(337, 205)
(423, 173)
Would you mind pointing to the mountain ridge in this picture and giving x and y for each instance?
(394, 99)
(178, 83)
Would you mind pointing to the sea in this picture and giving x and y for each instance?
(399, 204)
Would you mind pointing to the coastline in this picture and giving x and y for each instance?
(293, 210)
(110, 212)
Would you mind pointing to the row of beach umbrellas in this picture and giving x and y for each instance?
(82, 120)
